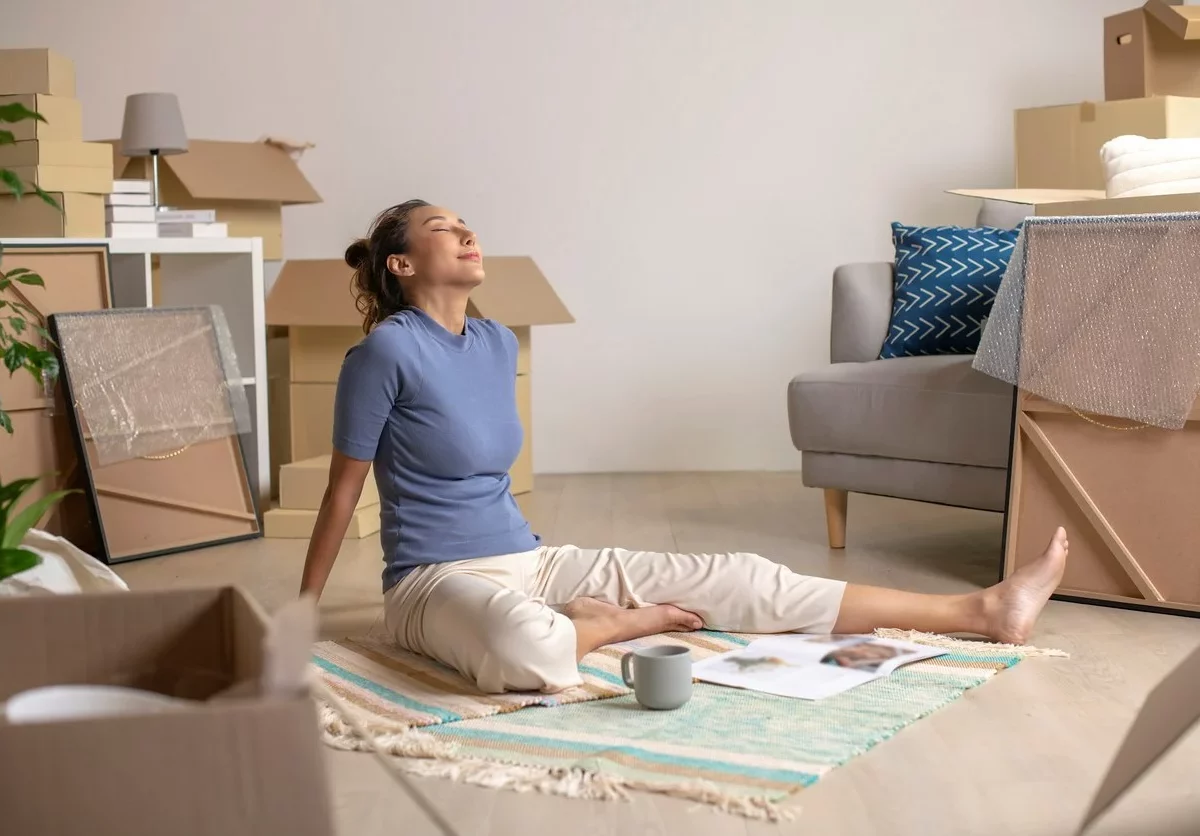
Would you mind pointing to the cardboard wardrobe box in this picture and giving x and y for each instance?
(247, 183)
(1058, 147)
(36, 71)
(240, 762)
(1153, 50)
(312, 310)
(1061, 202)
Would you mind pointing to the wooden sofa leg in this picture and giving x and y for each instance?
(835, 516)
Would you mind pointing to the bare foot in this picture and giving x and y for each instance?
(1012, 607)
(598, 623)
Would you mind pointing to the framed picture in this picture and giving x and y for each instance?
(156, 423)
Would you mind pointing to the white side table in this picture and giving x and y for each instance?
(227, 272)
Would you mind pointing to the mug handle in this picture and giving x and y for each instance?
(627, 669)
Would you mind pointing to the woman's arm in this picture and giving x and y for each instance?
(346, 478)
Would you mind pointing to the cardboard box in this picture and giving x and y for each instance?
(287, 523)
(36, 71)
(1059, 147)
(236, 766)
(67, 178)
(313, 301)
(1170, 711)
(302, 485)
(1153, 50)
(82, 216)
(1060, 202)
(63, 115)
(57, 152)
(247, 183)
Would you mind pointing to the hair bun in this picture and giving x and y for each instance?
(358, 254)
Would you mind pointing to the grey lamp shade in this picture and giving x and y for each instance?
(153, 123)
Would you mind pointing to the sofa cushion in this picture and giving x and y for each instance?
(932, 409)
(945, 282)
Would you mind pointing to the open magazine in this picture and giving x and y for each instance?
(810, 667)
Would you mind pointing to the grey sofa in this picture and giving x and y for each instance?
(930, 429)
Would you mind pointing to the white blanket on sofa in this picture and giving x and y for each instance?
(1135, 166)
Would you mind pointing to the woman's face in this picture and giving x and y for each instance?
(442, 250)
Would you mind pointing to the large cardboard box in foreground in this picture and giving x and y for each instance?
(238, 766)
(1059, 147)
(1153, 50)
(247, 183)
(311, 308)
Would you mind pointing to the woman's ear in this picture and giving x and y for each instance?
(398, 265)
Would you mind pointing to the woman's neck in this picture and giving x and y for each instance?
(446, 307)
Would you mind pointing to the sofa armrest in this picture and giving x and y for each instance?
(862, 309)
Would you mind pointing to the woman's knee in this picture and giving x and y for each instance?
(534, 651)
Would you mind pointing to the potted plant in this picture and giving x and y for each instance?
(19, 323)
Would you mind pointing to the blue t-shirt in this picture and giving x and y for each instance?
(436, 412)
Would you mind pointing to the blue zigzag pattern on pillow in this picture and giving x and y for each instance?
(945, 283)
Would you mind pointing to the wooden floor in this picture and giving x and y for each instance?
(1020, 755)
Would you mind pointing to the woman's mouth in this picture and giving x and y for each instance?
(471, 256)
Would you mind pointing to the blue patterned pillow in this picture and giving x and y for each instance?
(946, 280)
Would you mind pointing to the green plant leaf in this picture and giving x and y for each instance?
(17, 324)
(13, 491)
(7, 138)
(29, 278)
(29, 516)
(15, 561)
(12, 181)
(17, 112)
(6, 422)
(46, 197)
(15, 355)
(17, 271)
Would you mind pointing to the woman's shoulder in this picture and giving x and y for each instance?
(495, 330)
(394, 337)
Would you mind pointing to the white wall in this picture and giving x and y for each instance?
(688, 172)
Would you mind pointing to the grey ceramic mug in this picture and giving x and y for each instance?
(661, 677)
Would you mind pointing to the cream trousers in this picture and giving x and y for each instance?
(495, 619)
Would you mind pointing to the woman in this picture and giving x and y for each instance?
(428, 397)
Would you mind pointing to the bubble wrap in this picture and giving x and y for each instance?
(152, 382)
(1102, 314)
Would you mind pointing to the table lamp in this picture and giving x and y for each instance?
(153, 126)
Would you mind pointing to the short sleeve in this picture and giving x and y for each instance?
(378, 373)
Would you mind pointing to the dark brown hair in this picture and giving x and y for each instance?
(377, 292)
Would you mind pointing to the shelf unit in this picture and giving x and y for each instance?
(227, 272)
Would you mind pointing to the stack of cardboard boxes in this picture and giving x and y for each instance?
(313, 322)
(51, 153)
(1151, 88)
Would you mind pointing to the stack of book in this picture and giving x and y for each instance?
(129, 211)
(191, 223)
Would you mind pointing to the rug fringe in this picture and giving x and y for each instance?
(968, 645)
(417, 753)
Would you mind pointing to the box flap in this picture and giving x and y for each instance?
(517, 293)
(318, 292)
(1032, 197)
(313, 291)
(1168, 713)
(1183, 21)
(222, 170)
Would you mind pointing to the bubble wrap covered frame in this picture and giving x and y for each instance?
(1101, 314)
(152, 382)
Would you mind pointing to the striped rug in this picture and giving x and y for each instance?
(739, 751)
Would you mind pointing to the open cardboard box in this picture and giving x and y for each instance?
(1169, 712)
(242, 759)
(1152, 50)
(1020, 203)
